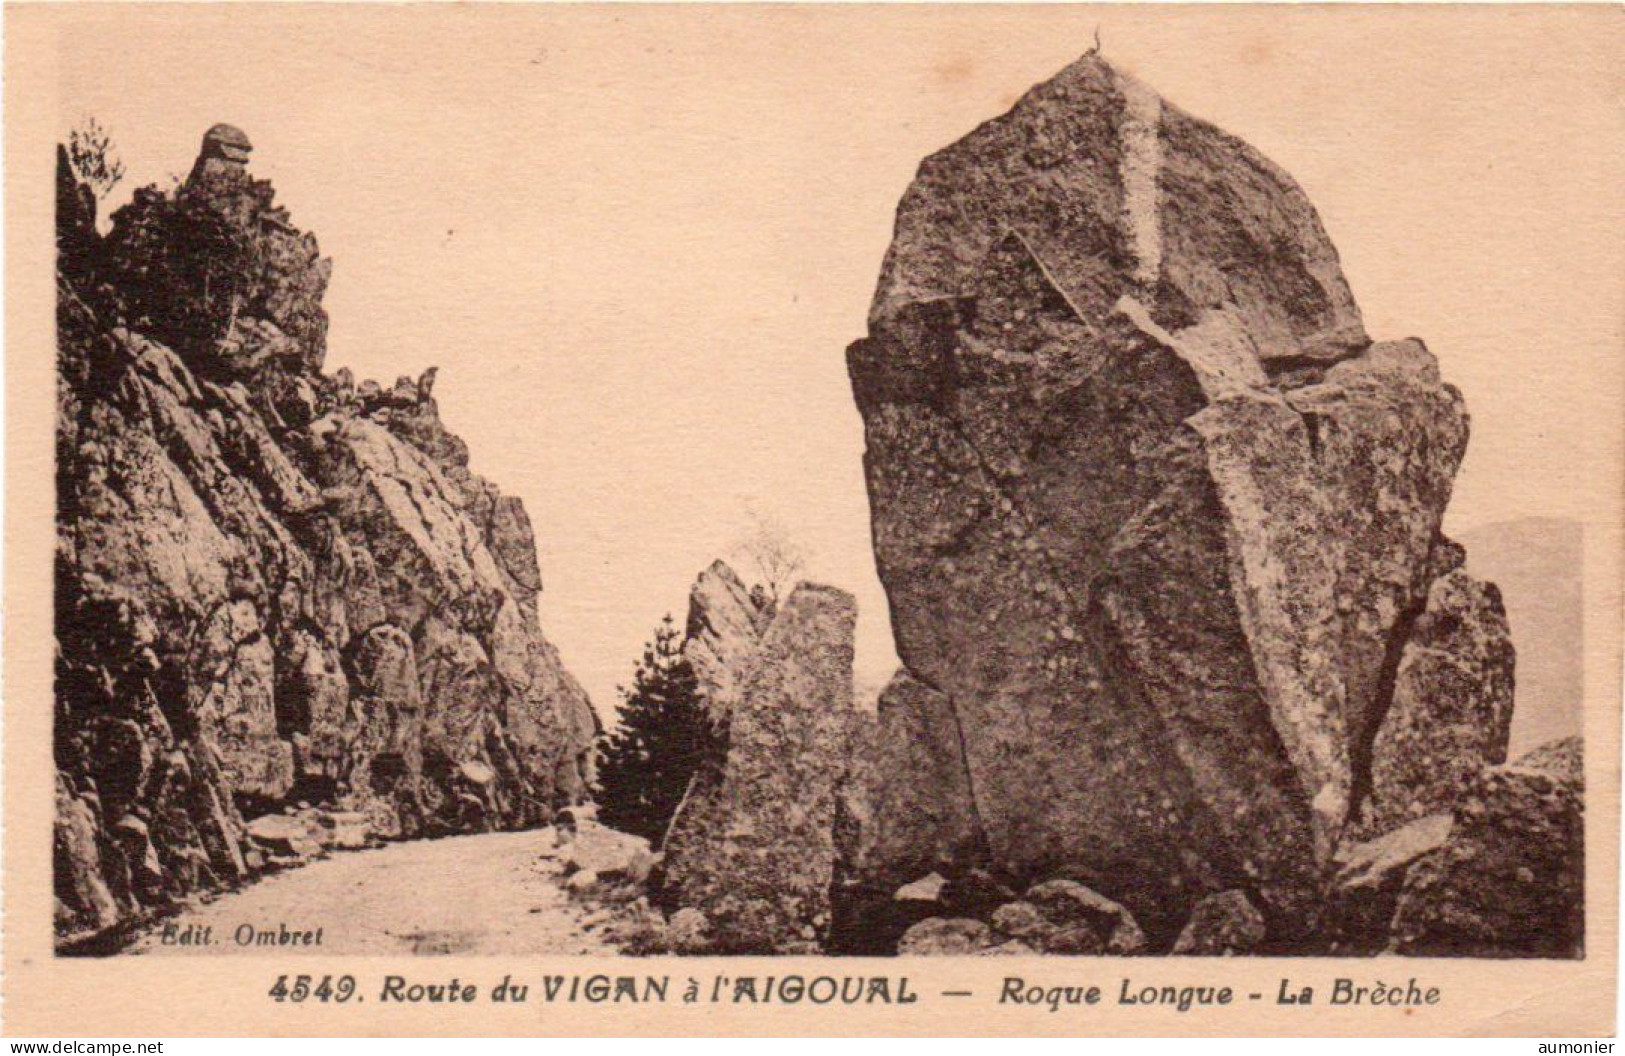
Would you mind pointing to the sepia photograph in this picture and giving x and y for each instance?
(945, 500)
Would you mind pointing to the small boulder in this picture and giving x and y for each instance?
(286, 835)
(945, 937)
(275, 829)
(1374, 862)
(477, 772)
(688, 931)
(1022, 921)
(1012, 948)
(1070, 906)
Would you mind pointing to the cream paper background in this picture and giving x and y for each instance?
(1465, 161)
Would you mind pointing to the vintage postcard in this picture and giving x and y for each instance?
(766, 519)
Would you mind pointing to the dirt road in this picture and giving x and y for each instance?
(498, 893)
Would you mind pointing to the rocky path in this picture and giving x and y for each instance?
(494, 893)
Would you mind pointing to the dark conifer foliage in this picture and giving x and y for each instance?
(664, 735)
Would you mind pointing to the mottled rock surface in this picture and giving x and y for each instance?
(753, 845)
(1071, 907)
(1509, 880)
(688, 932)
(724, 628)
(1365, 891)
(83, 894)
(946, 937)
(905, 812)
(1157, 522)
(269, 589)
(606, 853)
(224, 152)
(1452, 705)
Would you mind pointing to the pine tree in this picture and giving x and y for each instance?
(664, 735)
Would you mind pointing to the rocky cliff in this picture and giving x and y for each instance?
(273, 587)
(1160, 529)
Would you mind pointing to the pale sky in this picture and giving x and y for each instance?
(638, 241)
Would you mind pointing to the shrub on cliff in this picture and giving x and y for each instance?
(646, 761)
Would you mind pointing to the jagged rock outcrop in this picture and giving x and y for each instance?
(270, 589)
(722, 635)
(723, 631)
(904, 813)
(753, 844)
(1159, 526)
(1223, 925)
(224, 153)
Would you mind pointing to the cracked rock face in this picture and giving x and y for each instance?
(1155, 518)
(269, 589)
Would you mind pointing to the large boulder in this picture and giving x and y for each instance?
(1510, 879)
(1122, 192)
(1152, 513)
(1451, 712)
(753, 845)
